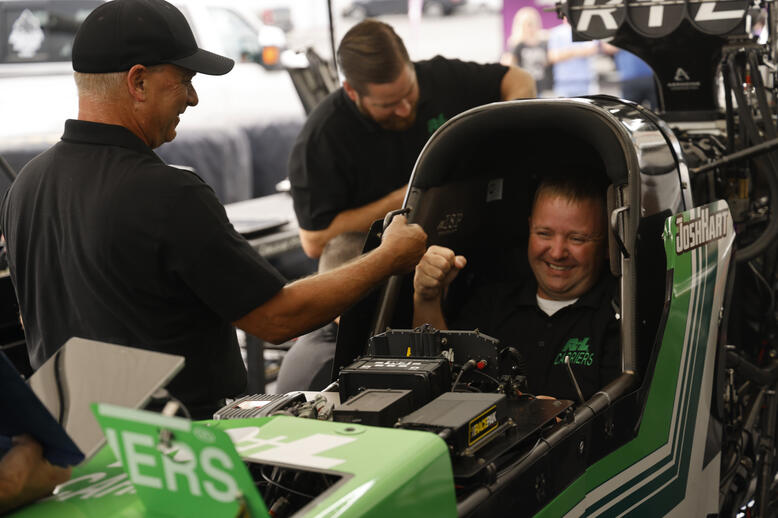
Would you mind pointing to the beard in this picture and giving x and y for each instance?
(392, 122)
(395, 123)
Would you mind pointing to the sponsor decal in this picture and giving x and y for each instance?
(681, 75)
(701, 230)
(450, 223)
(480, 426)
(305, 451)
(682, 81)
(598, 19)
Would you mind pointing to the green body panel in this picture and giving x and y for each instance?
(385, 472)
(97, 488)
(194, 471)
(394, 472)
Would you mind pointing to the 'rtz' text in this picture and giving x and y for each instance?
(708, 11)
(700, 230)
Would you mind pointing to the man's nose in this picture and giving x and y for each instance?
(558, 247)
(191, 98)
(403, 109)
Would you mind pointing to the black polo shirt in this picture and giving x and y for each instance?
(587, 331)
(343, 159)
(107, 242)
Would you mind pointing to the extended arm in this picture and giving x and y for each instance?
(352, 220)
(312, 301)
(572, 52)
(517, 83)
(436, 270)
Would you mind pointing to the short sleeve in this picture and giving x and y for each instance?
(319, 187)
(478, 83)
(201, 247)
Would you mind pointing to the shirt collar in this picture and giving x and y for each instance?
(366, 122)
(424, 89)
(591, 299)
(87, 132)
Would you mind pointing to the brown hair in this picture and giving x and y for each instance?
(584, 185)
(371, 52)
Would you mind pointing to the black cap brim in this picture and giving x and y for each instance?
(206, 62)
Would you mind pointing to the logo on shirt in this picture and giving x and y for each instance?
(578, 350)
(434, 123)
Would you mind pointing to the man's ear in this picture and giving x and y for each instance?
(136, 82)
(352, 94)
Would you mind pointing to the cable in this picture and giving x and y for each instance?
(162, 393)
(281, 486)
(493, 379)
(60, 389)
(469, 364)
(520, 459)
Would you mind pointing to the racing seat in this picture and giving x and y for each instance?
(471, 191)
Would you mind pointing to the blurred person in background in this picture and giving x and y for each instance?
(528, 49)
(572, 62)
(636, 78)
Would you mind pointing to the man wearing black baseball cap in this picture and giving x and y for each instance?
(118, 35)
(107, 242)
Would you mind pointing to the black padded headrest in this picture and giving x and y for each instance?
(535, 133)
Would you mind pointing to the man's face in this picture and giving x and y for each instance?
(566, 246)
(170, 92)
(391, 105)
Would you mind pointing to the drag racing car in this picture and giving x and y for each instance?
(423, 422)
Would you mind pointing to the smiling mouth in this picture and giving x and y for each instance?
(559, 268)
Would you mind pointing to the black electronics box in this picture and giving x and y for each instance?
(426, 378)
(375, 407)
(427, 342)
(464, 418)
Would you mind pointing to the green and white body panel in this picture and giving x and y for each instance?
(385, 472)
(661, 472)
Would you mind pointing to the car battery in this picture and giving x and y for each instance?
(375, 407)
(426, 378)
(464, 419)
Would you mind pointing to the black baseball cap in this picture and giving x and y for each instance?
(122, 33)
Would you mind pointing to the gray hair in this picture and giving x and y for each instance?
(99, 86)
